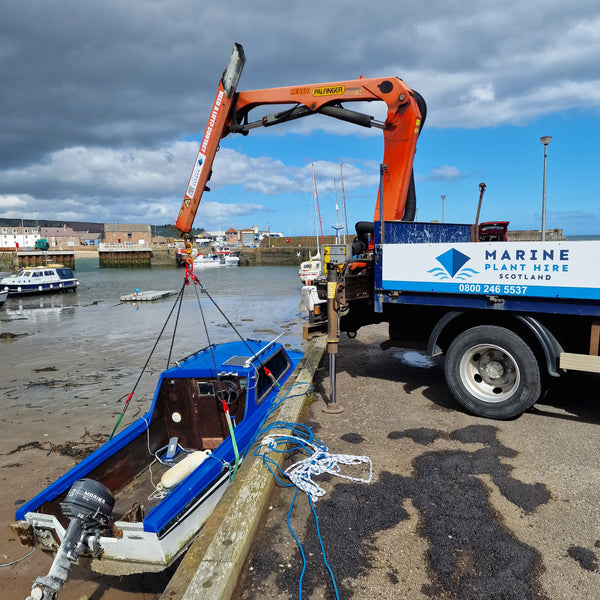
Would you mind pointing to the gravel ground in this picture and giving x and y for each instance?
(459, 507)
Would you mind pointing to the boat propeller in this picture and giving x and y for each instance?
(88, 506)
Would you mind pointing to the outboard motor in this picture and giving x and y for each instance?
(88, 505)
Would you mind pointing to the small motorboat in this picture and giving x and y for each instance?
(310, 270)
(209, 260)
(138, 501)
(314, 303)
(219, 257)
(227, 256)
(40, 280)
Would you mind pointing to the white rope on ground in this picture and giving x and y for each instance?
(301, 473)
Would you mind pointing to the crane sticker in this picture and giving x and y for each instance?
(201, 158)
(328, 90)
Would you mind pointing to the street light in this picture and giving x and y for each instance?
(546, 139)
(443, 198)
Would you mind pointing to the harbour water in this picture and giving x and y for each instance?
(68, 361)
(93, 333)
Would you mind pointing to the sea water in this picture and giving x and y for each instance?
(90, 346)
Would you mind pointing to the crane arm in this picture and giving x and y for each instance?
(231, 110)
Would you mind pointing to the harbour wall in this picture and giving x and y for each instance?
(154, 257)
(535, 235)
(283, 251)
(274, 256)
(13, 261)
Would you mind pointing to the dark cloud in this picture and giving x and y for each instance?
(98, 99)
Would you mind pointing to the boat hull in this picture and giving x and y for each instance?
(136, 550)
(40, 280)
(42, 288)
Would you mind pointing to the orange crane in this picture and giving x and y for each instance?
(230, 114)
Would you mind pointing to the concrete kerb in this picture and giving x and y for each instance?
(212, 565)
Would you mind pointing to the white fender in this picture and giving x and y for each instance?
(182, 469)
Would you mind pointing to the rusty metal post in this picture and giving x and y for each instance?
(482, 187)
(332, 338)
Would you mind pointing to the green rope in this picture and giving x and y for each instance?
(232, 434)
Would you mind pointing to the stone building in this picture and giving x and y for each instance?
(118, 233)
(60, 238)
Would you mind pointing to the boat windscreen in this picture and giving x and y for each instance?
(65, 273)
(277, 364)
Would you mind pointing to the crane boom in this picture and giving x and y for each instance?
(231, 109)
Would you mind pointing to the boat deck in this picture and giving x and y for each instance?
(140, 496)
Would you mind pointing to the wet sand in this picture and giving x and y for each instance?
(52, 416)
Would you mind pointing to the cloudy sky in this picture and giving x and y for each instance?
(103, 104)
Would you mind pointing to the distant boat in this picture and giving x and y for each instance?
(216, 259)
(217, 256)
(40, 280)
(137, 502)
(228, 256)
(310, 270)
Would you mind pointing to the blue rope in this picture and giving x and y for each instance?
(300, 437)
(299, 545)
(312, 506)
(14, 562)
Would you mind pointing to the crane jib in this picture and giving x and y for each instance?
(210, 140)
(204, 160)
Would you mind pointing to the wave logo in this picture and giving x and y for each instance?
(453, 263)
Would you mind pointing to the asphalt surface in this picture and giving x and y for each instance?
(459, 507)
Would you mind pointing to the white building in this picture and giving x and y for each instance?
(25, 237)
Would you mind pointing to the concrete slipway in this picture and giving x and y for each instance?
(460, 507)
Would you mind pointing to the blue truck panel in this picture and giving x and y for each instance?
(436, 264)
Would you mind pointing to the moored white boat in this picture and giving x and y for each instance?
(231, 257)
(315, 305)
(310, 270)
(40, 280)
(208, 260)
(218, 257)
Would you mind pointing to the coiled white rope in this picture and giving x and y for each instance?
(301, 473)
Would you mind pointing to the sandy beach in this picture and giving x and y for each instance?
(51, 418)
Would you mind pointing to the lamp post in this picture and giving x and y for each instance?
(546, 139)
(443, 198)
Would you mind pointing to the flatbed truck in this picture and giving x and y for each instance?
(509, 317)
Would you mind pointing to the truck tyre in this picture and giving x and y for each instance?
(492, 372)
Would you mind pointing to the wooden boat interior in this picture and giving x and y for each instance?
(187, 408)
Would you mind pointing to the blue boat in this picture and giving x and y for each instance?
(138, 501)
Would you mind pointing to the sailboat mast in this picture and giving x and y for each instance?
(343, 203)
(318, 210)
(337, 225)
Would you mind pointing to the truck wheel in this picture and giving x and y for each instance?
(492, 372)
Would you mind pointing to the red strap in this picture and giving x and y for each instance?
(189, 271)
